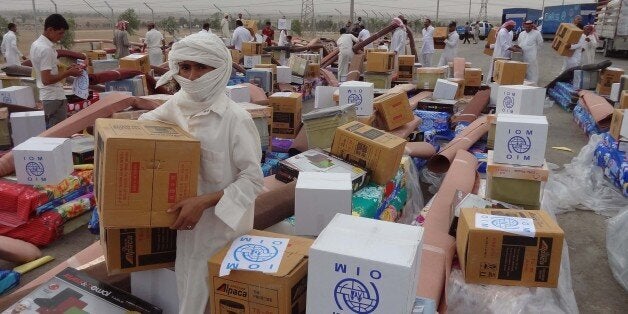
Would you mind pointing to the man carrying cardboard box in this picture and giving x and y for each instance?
(502, 47)
(230, 175)
(576, 58)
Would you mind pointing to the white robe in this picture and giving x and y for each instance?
(240, 35)
(589, 50)
(9, 49)
(363, 35)
(500, 49)
(530, 43)
(153, 45)
(224, 26)
(576, 58)
(345, 46)
(427, 50)
(398, 41)
(451, 49)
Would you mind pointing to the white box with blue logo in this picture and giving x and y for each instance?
(18, 95)
(27, 124)
(358, 93)
(43, 160)
(520, 99)
(361, 265)
(520, 140)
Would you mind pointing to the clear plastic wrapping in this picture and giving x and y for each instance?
(617, 247)
(415, 195)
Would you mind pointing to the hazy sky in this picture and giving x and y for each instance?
(200, 8)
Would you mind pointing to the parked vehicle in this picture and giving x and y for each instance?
(554, 15)
(612, 27)
(520, 15)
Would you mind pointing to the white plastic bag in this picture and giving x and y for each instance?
(434, 180)
(415, 200)
(617, 247)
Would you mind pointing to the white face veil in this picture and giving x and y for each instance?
(206, 49)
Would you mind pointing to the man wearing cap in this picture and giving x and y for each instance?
(502, 46)
(530, 41)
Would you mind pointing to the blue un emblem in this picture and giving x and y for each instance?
(509, 102)
(519, 144)
(505, 223)
(356, 296)
(255, 253)
(355, 99)
(35, 168)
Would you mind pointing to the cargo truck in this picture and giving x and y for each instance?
(554, 15)
(612, 27)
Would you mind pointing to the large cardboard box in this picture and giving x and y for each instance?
(43, 160)
(136, 249)
(521, 139)
(136, 86)
(445, 89)
(619, 124)
(283, 292)
(250, 48)
(406, 65)
(157, 286)
(251, 61)
(520, 99)
(358, 93)
(510, 72)
(27, 124)
(490, 40)
(136, 61)
(379, 80)
(71, 291)
(393, 110)
(509, 247)
(569, 33)
(473, 77)
(369, 148)
(105, 65)
(608, 76)
(319, 196)
(361, 265)
(286, 114)
(262, 78)
(239, 93)
(321, 124)
(519, 185)
(440, 32)
(140, 171)
(316, 160)
(324, 96)
(5, 134)
(380, 62)
(18, 95)
(427, 77)
(298, 65)
(95, 55)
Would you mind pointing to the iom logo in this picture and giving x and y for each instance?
(35, 169)
(505, 223)
(355, 99)
(518, 144)
(509, 102)
(354, 295)
(256, 253)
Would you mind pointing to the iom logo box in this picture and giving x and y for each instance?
(358, 93)
(520, 140)
(43, 160)
(520, 99)
(364, 266)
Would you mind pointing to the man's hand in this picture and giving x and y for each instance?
(74, 70)
(568, 46)
(191, 209)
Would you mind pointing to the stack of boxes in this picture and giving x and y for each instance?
(136, 61)
(426, 78)
(286, 114)
(567, 34)
(252, 52)
(406, 67)
(440, 34)
(607, 78)
(379, 69)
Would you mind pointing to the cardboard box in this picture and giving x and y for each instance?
(261, 78)
(509, 247)
(380, 62)
(358, 93)
(517, 185)
(445, 89)
(614, 95)
(440, 32)
(252, 24)
(284, 24)
(623, 100)
(520, 99)
(251, 61)
(321, 124)
(27, 124)
(319, 196)
(509, 171)
(324, 96)
(510, 72)
(5, 134)
(361, 265)
(568, 33)
(298, 65)
(286, 114)
(406, 60)
(520, 139)
(136, 61)
(585, 79)
(608, 76)
(71, 291)
(250, 48)
(136, 86)
(619, 124)
(95, 55)
(18, 95)
(284, 74)
(43, 160)
(235, 55)
(316, 160)
(310, 57)
(8, 81)
(157, 286)
(469, 200)
(473, 77)
(82, 149)
(369, 148)
(128, 115)
(242, 291)
(393, 109)
(461, 86)
(562, 48)
(379, 80)
(490, 40)
(140, 171)
(427, 77)
(239, 93)
(313, 70)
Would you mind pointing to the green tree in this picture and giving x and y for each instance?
(134, 21)
(183, 22)
(296, 27)
(3, 27)
(169, 25)
(68, 38)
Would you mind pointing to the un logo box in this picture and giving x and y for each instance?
(520, 140)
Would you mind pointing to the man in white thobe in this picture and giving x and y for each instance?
(427, 50)
(224, 27)
(363, 35)
(345, 48)
(530, 41)
(576, 58)
(9, 49)
(240, 35)
(502, 46)
(590, 45)
(154, 41)
(451, 46)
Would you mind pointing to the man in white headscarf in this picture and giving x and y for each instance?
(530, 42)
(590, 45)
(230, 176)
(576, 58)
(502, 47)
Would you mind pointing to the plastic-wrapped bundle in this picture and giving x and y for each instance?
(617, 246)
(584, 120)
(613, 161)
(433, 120)
(564, 95)
(367, 200)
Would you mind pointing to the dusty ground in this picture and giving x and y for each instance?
(595, 289)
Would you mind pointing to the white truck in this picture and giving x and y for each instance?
(612, 26)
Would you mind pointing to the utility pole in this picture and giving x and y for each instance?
(189, 19)
(55, 4)
(35, 22)
(152, 13)
(437, 9)
(351, 8)
(469, 11)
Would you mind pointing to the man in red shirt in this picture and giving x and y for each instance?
(269, 32)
